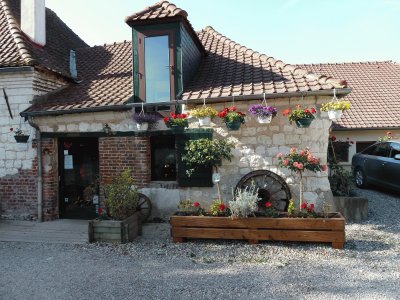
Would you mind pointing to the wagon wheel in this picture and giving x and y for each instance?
(271, 187)
(144, 207)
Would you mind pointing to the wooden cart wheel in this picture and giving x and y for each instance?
(144, 207)
(271, 187)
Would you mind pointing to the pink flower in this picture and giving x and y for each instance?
(324, 168)
(300, 166)
(310, 158)
(279, 155)
(301, 153)
(295, 164)
(292, 150)
(285, 162)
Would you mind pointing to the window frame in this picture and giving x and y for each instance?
(141, 60)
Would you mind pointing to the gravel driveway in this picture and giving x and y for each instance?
(154, 268)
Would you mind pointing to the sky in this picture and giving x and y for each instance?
(294, 31)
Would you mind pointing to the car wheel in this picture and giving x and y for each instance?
(360, 178)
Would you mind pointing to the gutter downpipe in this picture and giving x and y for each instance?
(39, 172)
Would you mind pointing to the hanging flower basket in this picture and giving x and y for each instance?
(204, 114)
(142, 126)
(144, 121)
(232, 118)
(303, 117)
(21, 138)
(264, 113)
(176, 122)
(335, 108)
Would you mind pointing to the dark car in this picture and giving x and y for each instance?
(378, 164)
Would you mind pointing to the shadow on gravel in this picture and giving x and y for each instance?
(366, 246)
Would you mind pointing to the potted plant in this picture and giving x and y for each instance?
(263, 113)
(299, 160)
(301, 116)
(204, 114)
(19, 135)
(206, 152)
(336, 108)
(232, 118)
(120, 222)
(176, 122)
(144, 121)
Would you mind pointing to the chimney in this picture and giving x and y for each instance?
(33, 20)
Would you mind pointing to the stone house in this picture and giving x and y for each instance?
(374, 101)
(76, 103)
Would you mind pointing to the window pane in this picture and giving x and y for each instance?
(395, 149)
(163, 158)
(381, 150)
(157, 72)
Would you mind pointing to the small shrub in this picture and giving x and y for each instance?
(121, 196)
(245, 202)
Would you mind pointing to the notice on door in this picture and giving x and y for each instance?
(68, 162)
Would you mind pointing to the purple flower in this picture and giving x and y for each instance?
(263, 111)
(151, 118)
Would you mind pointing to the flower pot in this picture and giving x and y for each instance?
(206, 121)
(142, 126)
(335, 114)
(264, 119)
(235, 125)
(303, 123)
(177, 129)
(21, 138)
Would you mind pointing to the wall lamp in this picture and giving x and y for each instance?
(107, 129)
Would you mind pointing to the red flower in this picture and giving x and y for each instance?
(166, 119)
(11, 129)
(307, 111)
(389, 133)
(100, 211)
(286, 112)
(303, 205)
(221, 207)
(233, 108)
(312, 205)
(324, 168)
(313, 110)
(184, 116)
(174, 116)
(196, 204)
(268, 204)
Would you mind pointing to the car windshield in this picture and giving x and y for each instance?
(378, 150)
(395, 149)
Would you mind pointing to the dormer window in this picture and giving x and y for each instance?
(156, 69)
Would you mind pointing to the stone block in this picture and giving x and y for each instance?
(260, 150)
(264, 140)
(278, 139)
(243, 162)
(249, 131)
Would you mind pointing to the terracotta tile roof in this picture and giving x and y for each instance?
(159, 10)
(106, 74)
(232, 69)
(18, 50)
(375, 96)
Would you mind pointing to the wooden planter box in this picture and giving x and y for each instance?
(328, 230)
(112, 231)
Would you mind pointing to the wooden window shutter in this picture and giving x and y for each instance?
(201, 177)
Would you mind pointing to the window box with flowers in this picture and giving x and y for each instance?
(19, 135)
(232, 118)
(303, 117)
(176, 122)
(245, 219)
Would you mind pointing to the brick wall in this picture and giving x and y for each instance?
(50, 179)
(120, 153)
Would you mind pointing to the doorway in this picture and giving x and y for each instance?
(78, 175)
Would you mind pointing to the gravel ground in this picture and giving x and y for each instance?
(154, 268)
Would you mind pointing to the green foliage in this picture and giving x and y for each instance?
(301, 113)
(336, 105)
(203, 112)
(291, 209)
(218, 208)
(121, 196)
(206, 152)
(185, 205)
